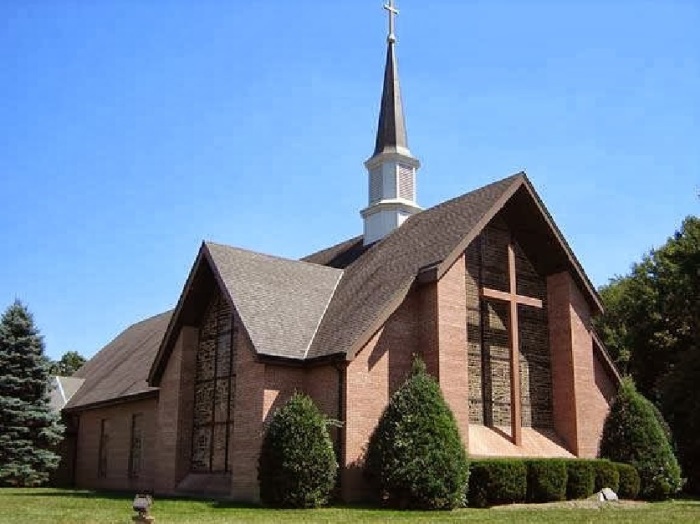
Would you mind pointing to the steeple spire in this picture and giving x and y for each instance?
(391, 131)
(392, 168)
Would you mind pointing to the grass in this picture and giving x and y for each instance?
(45, 505)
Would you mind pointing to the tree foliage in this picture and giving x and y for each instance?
(297, 466)
(652, 328)
(29, 430)
(69, 363)
(633, 435)
(415, 456)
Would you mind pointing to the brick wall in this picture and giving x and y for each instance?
(175, 407)
(581, 388)
(453, 374)
(375, 373)
(118, 446)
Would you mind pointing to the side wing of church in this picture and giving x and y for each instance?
(483, 287)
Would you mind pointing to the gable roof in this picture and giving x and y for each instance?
(280, 301)
(303, 310)
(377, 282)
(62, 389)
(120, 369)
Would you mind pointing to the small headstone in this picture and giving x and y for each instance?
(600, 496)
(608, 494)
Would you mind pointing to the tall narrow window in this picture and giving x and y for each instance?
(103, 452)
(214, 388)
(136, 446)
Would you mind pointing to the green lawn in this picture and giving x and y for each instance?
(65, 506)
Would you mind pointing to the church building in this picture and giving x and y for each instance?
(483, 287)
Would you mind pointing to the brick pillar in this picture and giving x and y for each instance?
(174, 413)
(244, 446)
(573, 374)
(452, 344)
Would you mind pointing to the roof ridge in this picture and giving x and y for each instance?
(445, 203)
(209, 243)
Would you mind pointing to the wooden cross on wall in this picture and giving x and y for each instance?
(513, 299)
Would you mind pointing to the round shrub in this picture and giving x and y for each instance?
(629, 481)
(633, 435)
(606, 475)
(580, 481)
(546, 480)
(415, 457)
(297, 466)
(497, 481)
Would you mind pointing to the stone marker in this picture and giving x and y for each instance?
(608, 494)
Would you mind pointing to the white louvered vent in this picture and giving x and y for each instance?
(376, 187)
(406, 188)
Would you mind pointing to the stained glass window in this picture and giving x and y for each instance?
(214, 387)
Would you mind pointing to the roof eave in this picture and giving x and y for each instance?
(111, 401)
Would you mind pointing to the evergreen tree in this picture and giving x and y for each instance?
(29, 430)
(415, 456)
(632, 434)
(297, 466)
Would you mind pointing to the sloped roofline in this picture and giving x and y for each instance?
(205, 256)
(524, 181)
(439, 268)
(168, 341)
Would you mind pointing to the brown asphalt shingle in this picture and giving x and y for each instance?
(301, 309)
(121, 368)
(280, 301)
(371, 283)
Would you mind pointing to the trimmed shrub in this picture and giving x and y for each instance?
(633, 435)
(606, 475)
(297, 466)
(546, 480)
(629, 481)
(497, 481)
(415, 457)
(580, 481)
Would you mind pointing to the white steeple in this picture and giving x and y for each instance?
(392, 168)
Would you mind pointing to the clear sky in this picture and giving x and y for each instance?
(130, 131)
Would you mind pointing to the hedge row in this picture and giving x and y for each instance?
(507, 481)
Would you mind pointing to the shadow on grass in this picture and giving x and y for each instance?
(115, 495)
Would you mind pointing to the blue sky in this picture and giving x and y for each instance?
(130, 131)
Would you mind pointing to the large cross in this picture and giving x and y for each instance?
(513, 299)
(391, 8)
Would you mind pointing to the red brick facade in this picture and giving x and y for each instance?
(115, 444)
(432, 321)
(581, 388)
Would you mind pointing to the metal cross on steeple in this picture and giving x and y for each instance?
(391, 8)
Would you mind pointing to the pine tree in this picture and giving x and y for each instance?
(29, 430)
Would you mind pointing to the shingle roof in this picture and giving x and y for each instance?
(340, 255)
(121, 368)
(280, 301)
(62, 389)
(382, 275)
(304, 310)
